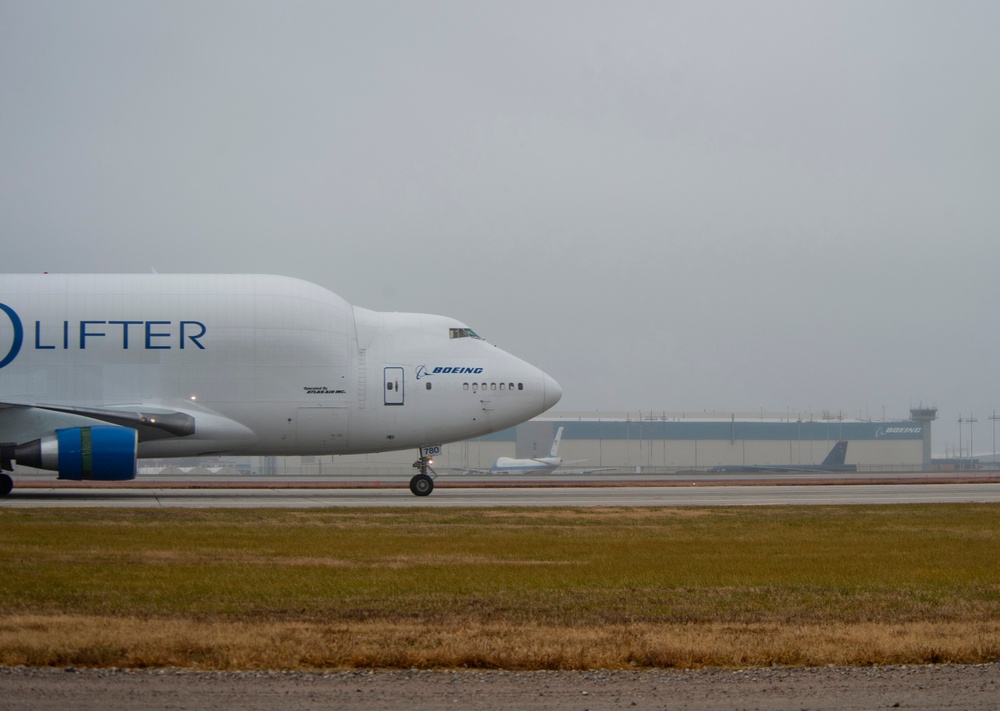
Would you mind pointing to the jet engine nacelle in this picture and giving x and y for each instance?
(99, 453)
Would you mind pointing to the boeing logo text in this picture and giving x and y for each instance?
(885, 431)
(423, 371)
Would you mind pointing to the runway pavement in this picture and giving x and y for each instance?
(693, 495)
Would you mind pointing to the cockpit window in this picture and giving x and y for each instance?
(462, 333)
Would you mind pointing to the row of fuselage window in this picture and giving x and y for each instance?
(476, 387)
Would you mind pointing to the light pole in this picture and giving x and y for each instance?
(972, 451)
(960, 421)
(994, 418)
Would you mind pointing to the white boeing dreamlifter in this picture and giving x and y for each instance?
(97, 370)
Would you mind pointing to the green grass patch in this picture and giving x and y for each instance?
(793, 565)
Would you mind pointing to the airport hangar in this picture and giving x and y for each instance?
(655, 442)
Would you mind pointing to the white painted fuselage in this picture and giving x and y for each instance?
(246, 364)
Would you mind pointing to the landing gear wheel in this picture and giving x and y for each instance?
(421, 485)
(6, 484)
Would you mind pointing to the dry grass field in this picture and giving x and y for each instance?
(507, 588)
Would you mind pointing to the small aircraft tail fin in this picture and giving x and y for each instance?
(554, 452)
(837, 455)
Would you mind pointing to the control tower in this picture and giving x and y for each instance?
(925, 415)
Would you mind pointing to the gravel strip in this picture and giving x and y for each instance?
(967, 687)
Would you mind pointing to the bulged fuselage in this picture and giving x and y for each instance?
(245, 364)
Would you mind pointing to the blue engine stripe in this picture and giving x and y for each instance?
(70, 454)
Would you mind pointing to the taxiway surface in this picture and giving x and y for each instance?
(694, 495)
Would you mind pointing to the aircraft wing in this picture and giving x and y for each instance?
(469, 470)
(48, 436)
(783, 469)
(22, 422)
(473, 470)
(564, 468)
(547, 470)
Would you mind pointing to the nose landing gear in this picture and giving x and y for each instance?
(422, 484)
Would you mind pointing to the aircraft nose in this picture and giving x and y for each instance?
(552, 391)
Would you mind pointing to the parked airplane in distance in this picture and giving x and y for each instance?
(834, 462)
(508, 465)
(536, 465)
(98, 370)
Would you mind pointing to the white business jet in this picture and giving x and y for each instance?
(98, 370)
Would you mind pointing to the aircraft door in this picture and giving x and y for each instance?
(393, 388)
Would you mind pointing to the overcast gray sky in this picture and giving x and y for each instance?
(668, 206)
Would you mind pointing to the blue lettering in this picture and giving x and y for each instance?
(38, 338)
(84, 334)
(150, 335)
(125, 325)
(18, 335)
(193, 336)
(154, 335)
